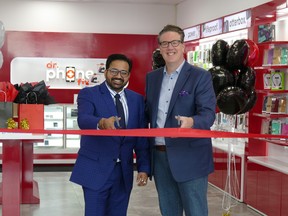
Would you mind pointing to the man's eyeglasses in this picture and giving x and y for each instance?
(115, 72)
(174, 43)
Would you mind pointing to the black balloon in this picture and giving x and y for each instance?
(231, 100)
(219, 52)
(221, 78)
(237, 56)
(250, 102)
(246, 78)
(157, 59)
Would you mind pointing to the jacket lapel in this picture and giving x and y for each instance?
(183, 77)
(156, 94)
(108, 99)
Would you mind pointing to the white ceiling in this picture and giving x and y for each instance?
(169, 2)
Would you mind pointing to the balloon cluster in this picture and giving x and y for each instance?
(233, 76)
(157, 59)
(2, 35)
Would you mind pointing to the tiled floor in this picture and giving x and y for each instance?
(59, 197)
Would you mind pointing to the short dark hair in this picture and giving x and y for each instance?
(172, 28)
(121, 57)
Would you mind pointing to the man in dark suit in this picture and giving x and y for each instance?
(104, 166)
(180, 95)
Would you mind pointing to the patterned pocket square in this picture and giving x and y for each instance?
(183, 93)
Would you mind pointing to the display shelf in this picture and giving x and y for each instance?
(273, 66)
(281, 142)
(71, 113)
(271, 162)
(272, 92)
(237, 147)
(270, 116)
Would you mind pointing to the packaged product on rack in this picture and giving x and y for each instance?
(277, 80)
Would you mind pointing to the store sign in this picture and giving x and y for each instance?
(212, 28)
(192, 33)
(58, 73)
(237, 21)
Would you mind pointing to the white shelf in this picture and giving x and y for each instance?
(21, 136)
(237, 149)
(271, 163)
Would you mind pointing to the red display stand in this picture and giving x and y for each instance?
(18, 186)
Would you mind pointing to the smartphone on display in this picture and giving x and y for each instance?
(70, 74)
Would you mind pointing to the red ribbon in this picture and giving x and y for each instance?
(157, 132)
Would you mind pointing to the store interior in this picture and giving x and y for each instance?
(250, 170)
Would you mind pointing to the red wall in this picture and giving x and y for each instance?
(80, 45)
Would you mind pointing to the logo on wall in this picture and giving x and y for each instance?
(70, 74)
(58, 73)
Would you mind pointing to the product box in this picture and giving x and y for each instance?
(282, 105)
(270, 56)
(275, 127)
(276, 56)
(284, 56)
(265, 126)
(284, 129)
(265, 57)
(277, 80)
(269, 104)
(195, 57)
(266, 32)
(264, 106)
(274, 105)
(267, 80)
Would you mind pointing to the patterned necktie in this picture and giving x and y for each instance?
(120, 111)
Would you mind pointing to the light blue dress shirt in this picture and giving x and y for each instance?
(167, 87)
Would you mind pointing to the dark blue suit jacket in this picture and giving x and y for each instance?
(193, 96)
(97, 154)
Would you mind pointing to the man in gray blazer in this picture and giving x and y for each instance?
(180, 95)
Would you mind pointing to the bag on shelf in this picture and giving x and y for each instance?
(31, 116)
(6, 110)
(33, 93)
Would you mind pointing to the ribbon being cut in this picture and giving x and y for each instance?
(156, 132)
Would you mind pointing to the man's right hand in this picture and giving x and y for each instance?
(107, 123)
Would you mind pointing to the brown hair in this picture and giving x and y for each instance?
(172, 28)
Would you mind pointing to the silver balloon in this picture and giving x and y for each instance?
(2, 34)
(1, 59)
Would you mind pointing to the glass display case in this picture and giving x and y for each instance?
(71, 113)
(60, 117)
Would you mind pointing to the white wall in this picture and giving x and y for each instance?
(193, 12)
(86, 17)
(281, 26)
(123, 18)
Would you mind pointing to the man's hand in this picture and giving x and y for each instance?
(107, 123)
(142, 179)
(185, 122)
